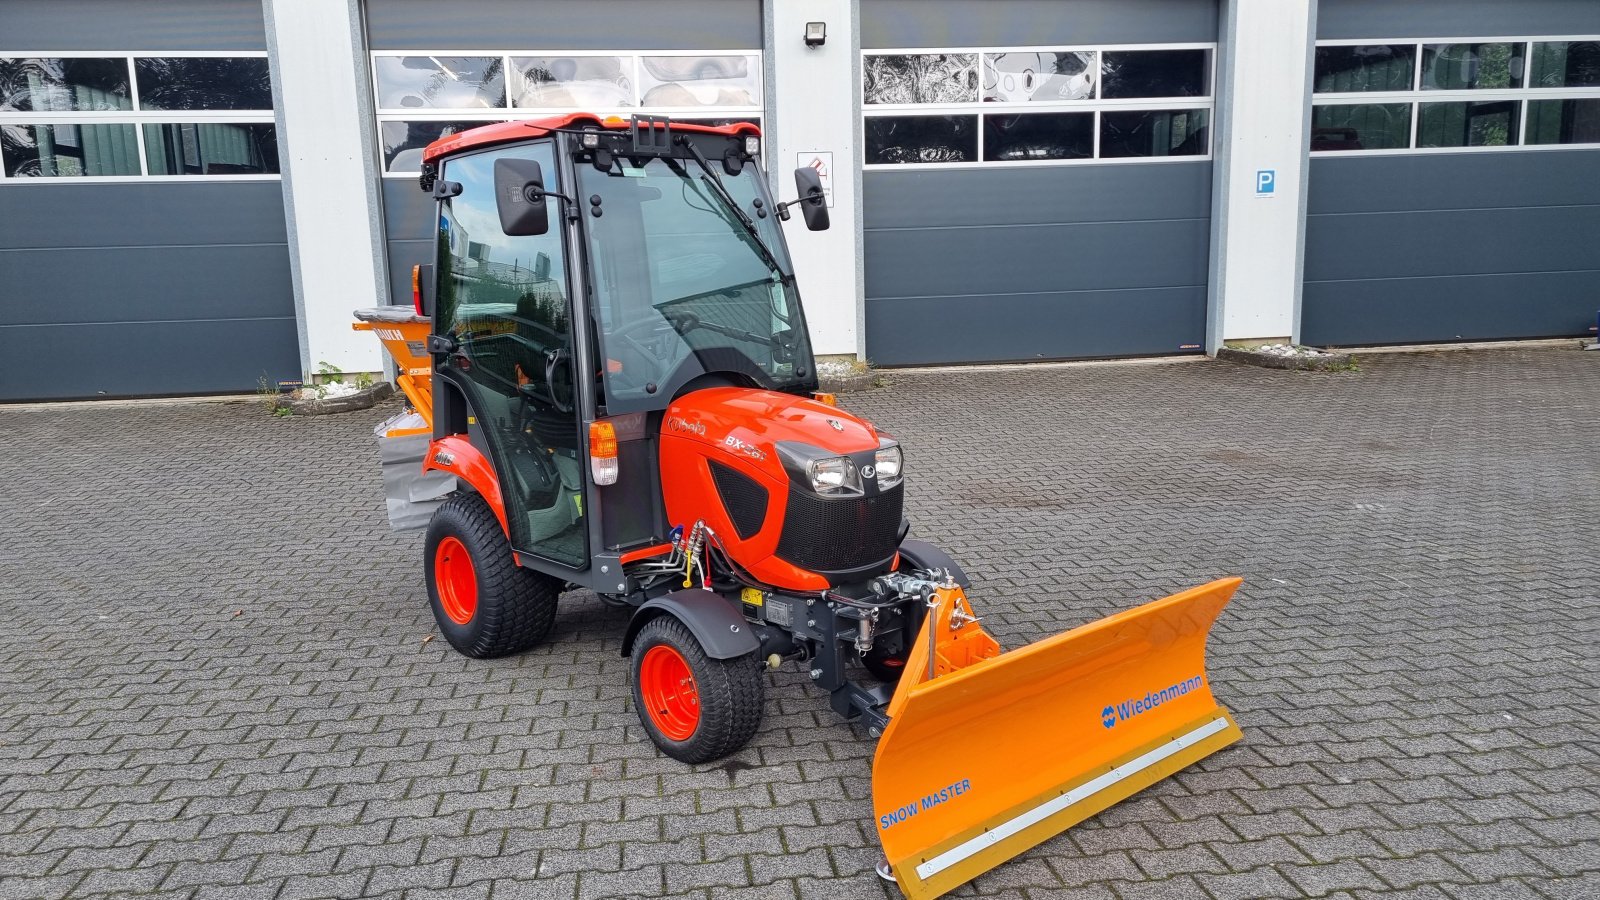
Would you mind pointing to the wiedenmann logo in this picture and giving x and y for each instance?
(1127, 709)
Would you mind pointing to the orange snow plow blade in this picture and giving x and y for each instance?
(988, 754)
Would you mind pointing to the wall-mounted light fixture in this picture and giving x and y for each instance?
(816, 34)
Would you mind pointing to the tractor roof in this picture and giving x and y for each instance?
(503, 132)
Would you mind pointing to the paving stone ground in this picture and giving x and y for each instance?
(214, 680)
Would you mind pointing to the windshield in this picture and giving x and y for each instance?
(681, 286)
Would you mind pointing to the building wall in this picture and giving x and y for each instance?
(1483, 243)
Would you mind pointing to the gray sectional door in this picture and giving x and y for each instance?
(1002, 261)
(1414, 245)
(139, 286)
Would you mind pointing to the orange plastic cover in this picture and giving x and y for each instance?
(980, 764)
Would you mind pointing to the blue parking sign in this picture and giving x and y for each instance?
(1266, 182)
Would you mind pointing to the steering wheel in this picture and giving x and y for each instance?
(654, 340)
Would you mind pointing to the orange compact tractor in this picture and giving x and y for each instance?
(619, 379)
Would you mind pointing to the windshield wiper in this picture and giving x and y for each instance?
(721, 190)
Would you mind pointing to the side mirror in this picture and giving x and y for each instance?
(519, 197)
(813, 201)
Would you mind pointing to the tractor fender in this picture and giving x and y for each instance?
(717, 624)
(456, 455)
(915, 554)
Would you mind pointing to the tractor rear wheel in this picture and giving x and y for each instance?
(484, 603)
(695, 708)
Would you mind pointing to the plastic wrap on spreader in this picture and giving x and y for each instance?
(410, 494)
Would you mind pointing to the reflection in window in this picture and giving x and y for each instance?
(1371, 67)
(1128, 74)
(1170, 132)
(920, 78)
(51, 84)
(211, 148)
(403, 142)
(1361, 126)
(1045, 76)
(1031, 136)
(921, 139)
(698, 81)
(52, 151)
(440, 82)
(1564, 121)
(571, 82)
(1458, 67)
(203, 82)
(1565, 64)
(1468, 124)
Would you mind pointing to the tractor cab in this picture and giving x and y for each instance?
(588, 273)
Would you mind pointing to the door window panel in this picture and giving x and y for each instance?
(921, 139)
(691, 81)
(1564, 121)
(921, 78)
(440, 82)
(1170, 132)
(1038, 136)
(1130, 74)
(1461, 67)
(52, 84)
(203, 82)
(1467, 124)
(1039, 76)
(403, 142)
(571, 82)
(211, 148)
(68, 151)
(1565, 64)
(1370, 67)
(504, 299)
(1361, 126)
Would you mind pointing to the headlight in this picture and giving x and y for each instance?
(833, 475)
(888, 462)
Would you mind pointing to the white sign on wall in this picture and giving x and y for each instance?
(822, 161)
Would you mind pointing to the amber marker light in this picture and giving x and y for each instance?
(603, 452)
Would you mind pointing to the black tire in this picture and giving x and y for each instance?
(513, 607)
(731, 694)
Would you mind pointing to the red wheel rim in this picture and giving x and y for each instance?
(457, 582)
(671, 698)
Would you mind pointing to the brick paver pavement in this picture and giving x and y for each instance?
(214, 680)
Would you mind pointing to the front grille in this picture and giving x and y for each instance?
(839, 535)
(745, 500)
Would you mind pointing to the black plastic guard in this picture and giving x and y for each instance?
(715, 622)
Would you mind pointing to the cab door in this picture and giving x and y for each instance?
(504, 302)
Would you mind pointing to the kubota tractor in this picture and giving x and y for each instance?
(622, 385)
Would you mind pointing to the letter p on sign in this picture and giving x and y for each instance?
(1266, 182)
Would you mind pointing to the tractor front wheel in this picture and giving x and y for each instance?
(484, 603)
(695, 708)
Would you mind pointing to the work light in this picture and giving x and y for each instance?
(591, 139)
(752, 145)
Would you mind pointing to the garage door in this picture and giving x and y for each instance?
(496, 60)
(1454, 192)
(142, 244)
(1037, 178)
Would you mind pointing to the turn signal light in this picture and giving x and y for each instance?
(829, 399)
(416, 289)
(603, 452)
